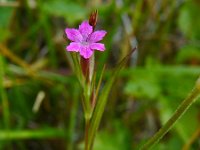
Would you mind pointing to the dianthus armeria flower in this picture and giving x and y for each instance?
(85, 40)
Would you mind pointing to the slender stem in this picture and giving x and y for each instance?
(6, 135)
(87, 125)
(176, 116)
(3, 96)
(194, 137)
(88, 115)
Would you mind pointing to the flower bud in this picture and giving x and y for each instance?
(93, 19)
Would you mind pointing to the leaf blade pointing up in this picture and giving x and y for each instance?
(102, 100)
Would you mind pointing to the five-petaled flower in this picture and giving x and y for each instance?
(84, 40)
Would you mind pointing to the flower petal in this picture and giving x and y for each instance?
(73, 34)
(73, 46)
(97, 46)
(85, 29)
(86, 52)
(97, 36)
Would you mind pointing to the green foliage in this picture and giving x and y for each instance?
(142, 99)
(71, 11)
(103, 98)
(146, 86)
(189, 53)
(5, 18)
(116, 139)
(189, 21)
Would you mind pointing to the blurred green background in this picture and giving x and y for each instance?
(40, 98)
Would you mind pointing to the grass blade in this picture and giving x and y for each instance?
(32, 134)
(100, 106)
(3, 96)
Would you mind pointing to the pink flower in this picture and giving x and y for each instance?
(84, 40)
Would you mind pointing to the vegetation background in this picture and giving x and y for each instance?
(40, 98)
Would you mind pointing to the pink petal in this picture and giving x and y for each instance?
(85, 29)
(86, 52)
(73, 35)
(73, 47)
(97, 46)
(97, 36)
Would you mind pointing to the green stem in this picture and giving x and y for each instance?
(176, 116)
(3, 96)
(88, 115)
(32, 134)
(88, 112)
(87, 125)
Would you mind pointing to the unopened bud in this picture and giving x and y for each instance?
(93, 19)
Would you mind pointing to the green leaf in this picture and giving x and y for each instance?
(3, 96)
(5, 18)
(143, 87)
(115, 139)
(102, 100)
(189, 21)
(189, 53)
(183, 127)
(72, 12)
(32, 134)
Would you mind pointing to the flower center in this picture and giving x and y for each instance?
(84, 43)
